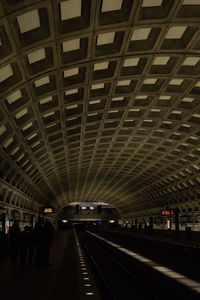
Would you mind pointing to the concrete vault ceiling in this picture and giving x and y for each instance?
(100, 101)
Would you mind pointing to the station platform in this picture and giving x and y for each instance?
(180, 238)
(63, 277)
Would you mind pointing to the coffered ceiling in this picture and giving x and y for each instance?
(100, 101)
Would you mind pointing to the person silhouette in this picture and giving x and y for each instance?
(14, 241)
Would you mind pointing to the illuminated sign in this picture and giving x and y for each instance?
(48, 210)
(167, 212)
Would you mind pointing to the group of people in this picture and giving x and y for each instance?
(31, 246)
(3, 243)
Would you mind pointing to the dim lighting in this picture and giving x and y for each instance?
(89, 294)
(87, 284)
(168, 224)
(64, 221)
(192, 284)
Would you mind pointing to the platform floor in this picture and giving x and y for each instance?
(53, 282)
(182, 238)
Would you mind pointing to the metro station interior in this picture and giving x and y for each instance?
(100, 149)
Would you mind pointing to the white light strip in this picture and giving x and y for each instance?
(15, 150)
(34, 145)
(2, 129)
(192, 284)
(8, 142)
(84, 271)
(27, 126)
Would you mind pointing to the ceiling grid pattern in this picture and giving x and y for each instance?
(99, 101)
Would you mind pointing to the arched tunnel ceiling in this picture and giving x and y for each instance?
(100, 101)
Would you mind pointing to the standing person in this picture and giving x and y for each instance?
(23, 245)
(43, 236)
(37, 239)
(49, 234)
(1, 244)
(14, 241)
(30, 245)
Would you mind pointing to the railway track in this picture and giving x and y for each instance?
(171, 255)
(118, 276)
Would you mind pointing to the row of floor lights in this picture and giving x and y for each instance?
(85, 273)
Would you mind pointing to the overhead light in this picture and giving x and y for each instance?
(28, 21)
(6, 72)
(64, 221)
(2, 129)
